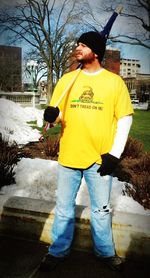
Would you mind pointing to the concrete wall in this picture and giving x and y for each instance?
(32, 219)
(24, 98)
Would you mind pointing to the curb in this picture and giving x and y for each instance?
(32, 219)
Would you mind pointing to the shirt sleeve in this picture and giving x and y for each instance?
(63, 88)
(123, 128)
(123, 105)
(57, 93)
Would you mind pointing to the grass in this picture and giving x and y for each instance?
(51, 131)
(55, 130)
(32, 123)
(140, 129)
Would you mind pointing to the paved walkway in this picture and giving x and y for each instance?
(19, 258)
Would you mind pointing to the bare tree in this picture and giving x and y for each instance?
(137, 25)
(47, 26)
(41, 68)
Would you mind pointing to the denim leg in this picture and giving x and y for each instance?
(69, 181)
(101, 225)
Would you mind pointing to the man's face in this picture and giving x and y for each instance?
(84, 54)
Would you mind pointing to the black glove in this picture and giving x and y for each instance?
(109, 164)
(51, 113)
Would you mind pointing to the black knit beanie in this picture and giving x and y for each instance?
(95, 42)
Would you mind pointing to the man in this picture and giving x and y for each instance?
(96, 115)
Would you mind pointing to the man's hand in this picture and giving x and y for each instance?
(109, 164)
(51, 113)
(119, 9)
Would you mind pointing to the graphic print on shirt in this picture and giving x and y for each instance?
(87, 95)
(86, 100)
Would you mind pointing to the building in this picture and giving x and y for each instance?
(10, 68)
(138, 84)
(112, 60)
(143, 87)
(131, 85)
(129, 68)
(139, 87)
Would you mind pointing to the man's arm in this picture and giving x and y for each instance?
(123, 128)
(110, 160)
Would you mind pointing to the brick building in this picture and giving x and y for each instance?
(112, 60)
(10, 68)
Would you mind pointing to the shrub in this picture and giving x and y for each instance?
(9, 156)
(51, 146)
(134, 169)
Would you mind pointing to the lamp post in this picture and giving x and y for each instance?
(32, 66)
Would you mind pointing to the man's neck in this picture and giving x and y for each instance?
(91, 67)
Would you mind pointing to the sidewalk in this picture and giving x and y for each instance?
(19, 258)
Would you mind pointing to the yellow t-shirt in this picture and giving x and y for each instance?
(90, 111)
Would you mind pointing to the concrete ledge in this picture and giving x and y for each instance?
(32, 219)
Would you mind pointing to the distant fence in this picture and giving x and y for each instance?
(24, 98)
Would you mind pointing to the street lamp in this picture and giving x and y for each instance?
(32, 66)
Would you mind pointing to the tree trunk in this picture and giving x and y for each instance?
(148, 108)
(49, 86)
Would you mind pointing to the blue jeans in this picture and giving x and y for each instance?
(99, 188)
